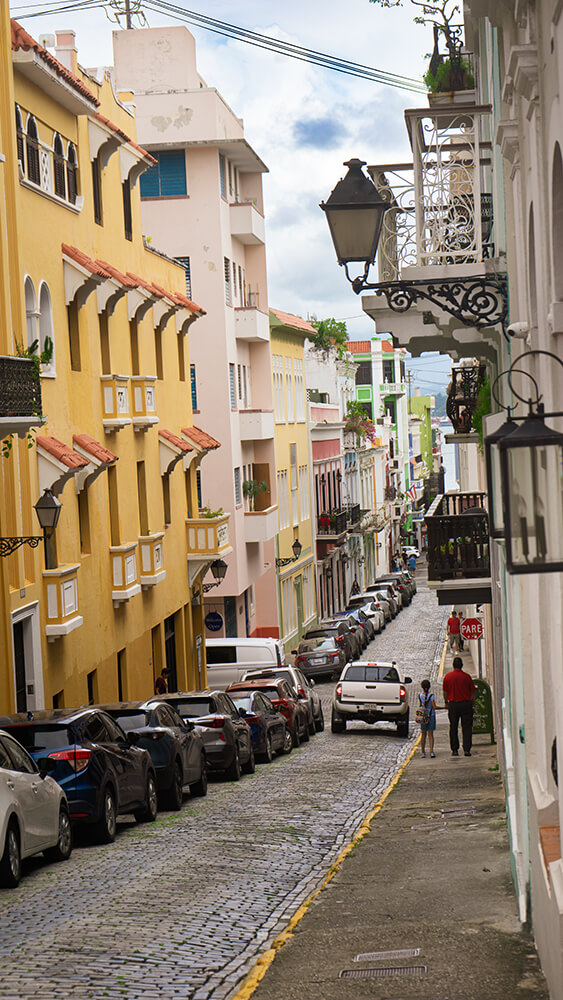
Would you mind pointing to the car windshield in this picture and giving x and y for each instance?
(270, 692)
(41, 737)
(285, 674)
(315, 646)
(329, 630)
(369, 672)
(193, 709)
(130, 721)
(244, 701)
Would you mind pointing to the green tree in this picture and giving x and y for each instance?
(331, 335)
(444, 15)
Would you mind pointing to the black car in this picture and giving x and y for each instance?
(269, 729)
(338, 631)
(320, 657)
(227, 739)
(359, 640)
(176, 749)
(102, 773)
(400, 582)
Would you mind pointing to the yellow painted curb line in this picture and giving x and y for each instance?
(265, 960)
(443, 659)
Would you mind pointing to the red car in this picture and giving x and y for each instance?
(283, 699)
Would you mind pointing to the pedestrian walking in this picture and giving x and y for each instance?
(412, 563)
(452, 631)
(427, 715)
(355, 587)
(459, 696)
(161, 682)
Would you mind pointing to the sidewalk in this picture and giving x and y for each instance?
(433, 873)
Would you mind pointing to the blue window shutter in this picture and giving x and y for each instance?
(193, 386)
(172, 173)
(222, 173)
(150, 182)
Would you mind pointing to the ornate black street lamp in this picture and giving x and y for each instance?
(48, 510)
(219, 569)
(297, 549)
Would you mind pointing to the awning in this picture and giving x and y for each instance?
(57, 463)
(172, 449)
(97, 456)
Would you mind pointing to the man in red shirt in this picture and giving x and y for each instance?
(459, 695)
(452, 630)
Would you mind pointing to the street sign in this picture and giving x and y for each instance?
(213, 621)
(471, 628)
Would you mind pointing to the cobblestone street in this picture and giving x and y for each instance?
(183, 907)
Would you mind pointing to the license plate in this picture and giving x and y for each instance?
(368, 708)
(316, 659)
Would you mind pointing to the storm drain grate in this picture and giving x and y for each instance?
(408, 970)
(379, 956)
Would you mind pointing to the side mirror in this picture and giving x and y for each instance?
(46, 766)
(132, 738)
(294, 652)
(242, 713)
(407, 680)
(188, 724)
(311, 682)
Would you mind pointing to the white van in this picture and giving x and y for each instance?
(229, 658)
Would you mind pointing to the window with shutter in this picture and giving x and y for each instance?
(193, 385)
(71, 169)
(59, 166)
(167, 178)
(32, 150)
(185, 263)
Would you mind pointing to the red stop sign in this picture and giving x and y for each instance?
(471, 628)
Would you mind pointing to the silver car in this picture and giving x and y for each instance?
(34, 815)
(304, 690)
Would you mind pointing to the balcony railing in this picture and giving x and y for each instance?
(152, 565)
(353, 513)
(144, 402)
(115, 402)
(207, 536)
(462, 397)
(332, 523)
(61, 593)
(125, 579)
(458, 537)
(20, 395)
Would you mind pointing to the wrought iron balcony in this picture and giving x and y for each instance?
(20, 395)
(354, 513)
(462, 396)
(389, 492)
(332, 523)
(458, 537)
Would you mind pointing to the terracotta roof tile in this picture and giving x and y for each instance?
(123, 135)
(183, 300)
(387, 345)
(21, 40)
(201, 438)
(359, 346)
(94, 448)
(174, 439)
(62, 452)
(288, 319)
(124, 279)
(95, 267)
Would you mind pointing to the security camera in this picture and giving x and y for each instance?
(519, 330)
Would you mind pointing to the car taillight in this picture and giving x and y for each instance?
(77, 757)
(334, 656)
(403, 692)
(156, 736)
(338, 691)
(340, 638)
(251, 719)
(215, 722)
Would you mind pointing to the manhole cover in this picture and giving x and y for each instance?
(408, 970)
(379, 956)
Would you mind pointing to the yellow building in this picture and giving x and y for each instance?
(119, 594)
(295, 563)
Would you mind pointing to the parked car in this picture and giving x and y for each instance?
(270, 734)
(388, 592)
(402, 579)
(371, 692)
(391, 580)
(102, 774)
(410, 550)
(303, 688)
(370, 623)
(354, 626)
(228, 658)
(340, 632)
(34, 814)
(281, 694)
(375, 613)
(369, 598)
(320, 657)
(227, 739)
(175, 748)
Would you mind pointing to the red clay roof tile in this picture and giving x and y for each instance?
(174, 439)
(123, 135)
(201, 438)
(22, 40)
(288, 319)
(62, 452)
(358, 346)
(94, 448)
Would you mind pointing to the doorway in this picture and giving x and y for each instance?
(170, 651)
(27, 664)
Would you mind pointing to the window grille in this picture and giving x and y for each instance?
(238, 493)
(71, 169)
(232, 389)
(222, 175)
(59, 165)
(388, 371)
(32, 150)
(20, 137)
(227, 271)
(198, 488)
(127, 216)
(193, 385)
(185, 263)
(97, 191)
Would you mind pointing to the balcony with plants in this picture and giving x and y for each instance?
(261, 516)
(463, 397)
(20, 392)
(458, 537)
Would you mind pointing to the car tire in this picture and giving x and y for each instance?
(295, 735)
(250, 766)
(233, 772)
(62, 850)
(320, 722)
(175, 794)
(337, 723)
(149, 811)
(403, 726)
(199, 788)
(287, 742)
(11, 862)
(306, 735)
(106, 827)
(267, 755)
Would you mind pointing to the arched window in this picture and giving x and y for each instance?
(532, 286)
(71, 169)
(59, 165)
(31, 314)
(557, 223)
(46, 336)
(32, 150)
(20, 138)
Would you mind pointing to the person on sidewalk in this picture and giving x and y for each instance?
(428, 704)
(452, 631)
(161, 682)
(459, 695)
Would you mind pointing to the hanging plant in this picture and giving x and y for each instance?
(482, 409)
(358, 422)
(331, 336)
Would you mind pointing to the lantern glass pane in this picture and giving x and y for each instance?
(535, 506)
(355, 232)
(496, 513)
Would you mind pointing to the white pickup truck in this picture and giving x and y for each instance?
(371, 692)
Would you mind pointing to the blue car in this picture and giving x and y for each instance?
(101, 772)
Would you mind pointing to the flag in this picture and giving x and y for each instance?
(411, 493)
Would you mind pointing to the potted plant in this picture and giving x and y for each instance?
(208, 512)
(251, 488)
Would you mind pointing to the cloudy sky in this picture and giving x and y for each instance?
(302, 120)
